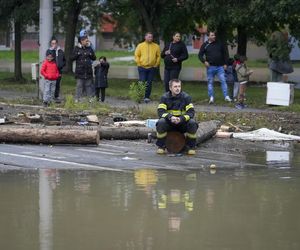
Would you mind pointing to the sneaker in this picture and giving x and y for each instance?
(160, 151)
(191, 152)
(227, 99)
(240, 106)
(147, 100)
(211, 100)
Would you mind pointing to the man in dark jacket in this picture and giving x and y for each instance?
(84, 55)
(174, 53)
(60, 62)
(213, 54)
(176, 112)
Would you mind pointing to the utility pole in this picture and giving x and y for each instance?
(45, 33)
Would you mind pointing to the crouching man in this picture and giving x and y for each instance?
(176, 113)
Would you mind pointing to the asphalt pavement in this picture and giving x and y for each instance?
(130, 155)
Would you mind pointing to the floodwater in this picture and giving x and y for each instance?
(234, 208)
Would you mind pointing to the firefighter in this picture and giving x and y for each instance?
(176, 112)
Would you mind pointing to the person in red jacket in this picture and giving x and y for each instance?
(50, 73)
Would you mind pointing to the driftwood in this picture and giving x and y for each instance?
(175, 142)
(88, 134)
(123, 133)
(206, 130)
(48, 136)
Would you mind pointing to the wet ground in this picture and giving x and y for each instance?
(121, 195)
(128, 155)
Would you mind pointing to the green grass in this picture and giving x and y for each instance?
(192, 61)
(256, 94)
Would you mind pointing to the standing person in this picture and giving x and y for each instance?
(83, 54)
(279, 50)
(176, 112)
(243, 75)
(50, 72)
(60, 62)
(147, 57)
(230, 76)
(173, 53)
(213, 54)
(101, 71)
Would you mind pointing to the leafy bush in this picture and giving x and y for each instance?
(137, 91)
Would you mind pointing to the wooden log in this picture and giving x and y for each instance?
(221, 134)
(88, 134)
(48, 136)
(175, 142)
(206, 131)
(123, 133)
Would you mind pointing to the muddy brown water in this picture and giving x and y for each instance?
(236, 208)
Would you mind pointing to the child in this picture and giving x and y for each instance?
(101, 71)
(50, 72)
(229, 75)
(243, 76)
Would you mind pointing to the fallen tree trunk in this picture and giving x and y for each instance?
(89, 134)
(48, 136)
(123, 133)
(206, 131)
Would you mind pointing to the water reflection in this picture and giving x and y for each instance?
(150, 209)
(46, 209)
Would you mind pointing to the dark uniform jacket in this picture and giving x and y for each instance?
(101, 71)
(180, 106)
(178, 50)
(84, 57)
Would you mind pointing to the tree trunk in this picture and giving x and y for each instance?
(242, 41)
(222, 36)
(80, 135)
(71, 24)
(145, 16)
(206, 131)
(48, 136)
(18, 54)
(123, 133)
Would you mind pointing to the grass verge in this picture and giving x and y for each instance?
(119, 88)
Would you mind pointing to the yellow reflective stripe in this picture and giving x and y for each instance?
(176, 112)
(164, 115)
(162, 106)
(189, 106)
(162, 135)
(186, 117)
(192, 136)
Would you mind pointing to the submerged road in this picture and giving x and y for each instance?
(130, 155)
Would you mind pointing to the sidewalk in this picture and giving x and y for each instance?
(187, 73)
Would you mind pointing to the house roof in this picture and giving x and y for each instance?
(107, 24)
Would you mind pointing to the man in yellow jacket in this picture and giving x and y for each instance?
(147, 57)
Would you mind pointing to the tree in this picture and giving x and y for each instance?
(21, 13)
(70, 16)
